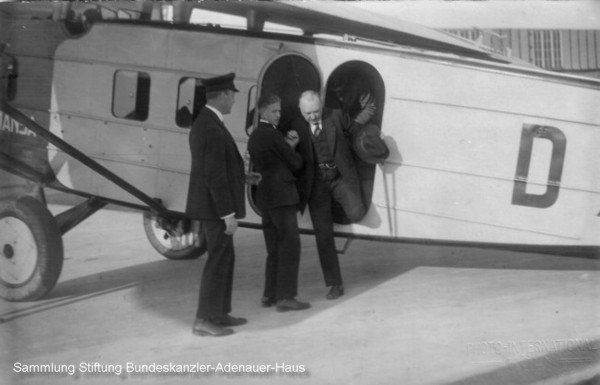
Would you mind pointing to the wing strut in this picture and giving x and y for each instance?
(80, 156)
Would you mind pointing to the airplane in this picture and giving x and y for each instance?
(97, 100)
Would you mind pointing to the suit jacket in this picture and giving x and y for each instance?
(275, 160)
(334, 127)
(217, 178)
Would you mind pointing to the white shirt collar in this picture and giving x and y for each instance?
(219, 114)
(313, 127)
(269, 123)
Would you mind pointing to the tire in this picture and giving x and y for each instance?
(31, 250)
(169, 246)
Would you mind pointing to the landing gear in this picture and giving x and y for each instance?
(178, 242)
(31, 249)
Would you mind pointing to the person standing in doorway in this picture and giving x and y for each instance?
(329, 173)
(273, 156)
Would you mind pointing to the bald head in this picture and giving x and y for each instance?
(310, 106)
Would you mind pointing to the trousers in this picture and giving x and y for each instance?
(319, 206)
(282, 238)
(217, 278)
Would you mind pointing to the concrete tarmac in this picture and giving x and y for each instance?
(412, 314)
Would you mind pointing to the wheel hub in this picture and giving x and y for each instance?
(168, 236)
(19, 251)
(8, 251)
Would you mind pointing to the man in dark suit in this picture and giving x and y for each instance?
(277, 198)
(215, 202)
(329, 173)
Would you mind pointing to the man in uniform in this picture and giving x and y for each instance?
(215, 202)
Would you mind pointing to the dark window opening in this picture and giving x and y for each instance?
(8, 76)
(131, 95)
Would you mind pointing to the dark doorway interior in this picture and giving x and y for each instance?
(287, 78)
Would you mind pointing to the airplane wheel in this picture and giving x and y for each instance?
(171, 247)
(31, 249)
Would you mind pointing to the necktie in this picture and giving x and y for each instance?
(317, 129)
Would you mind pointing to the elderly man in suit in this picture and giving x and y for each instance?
(277, 198)
(329, 173)
(215, 202)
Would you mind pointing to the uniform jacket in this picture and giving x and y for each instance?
(216, 186)
(333, 127)
(275, 160)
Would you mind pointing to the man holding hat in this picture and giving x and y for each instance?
(215, 203)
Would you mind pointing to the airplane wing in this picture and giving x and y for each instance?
(312, 17)
(333, 17)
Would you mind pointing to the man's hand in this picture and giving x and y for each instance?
(253, 178)
(292, 138)
(367, 112)
(367, 103)
(231, 225)
(365, 99)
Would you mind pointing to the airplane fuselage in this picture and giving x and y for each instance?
(480, 151)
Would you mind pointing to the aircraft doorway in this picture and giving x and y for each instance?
(351, 80)
(287, 77)
(348, 85)
(349, 88)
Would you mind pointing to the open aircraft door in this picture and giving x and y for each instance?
(287, 76)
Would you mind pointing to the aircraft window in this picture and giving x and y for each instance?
(281, 28)
(201, 16)
(328, 36)
(123, 14)
(167, 12)
(8, 76)
(191, 97)
(131, 95)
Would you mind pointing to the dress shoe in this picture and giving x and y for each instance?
(204, 327)
(335, 292)
(227, 320)
(291, 304)
(268, 301)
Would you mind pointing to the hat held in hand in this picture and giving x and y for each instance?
(369, 146)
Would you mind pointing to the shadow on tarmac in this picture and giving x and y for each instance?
(170, 288)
